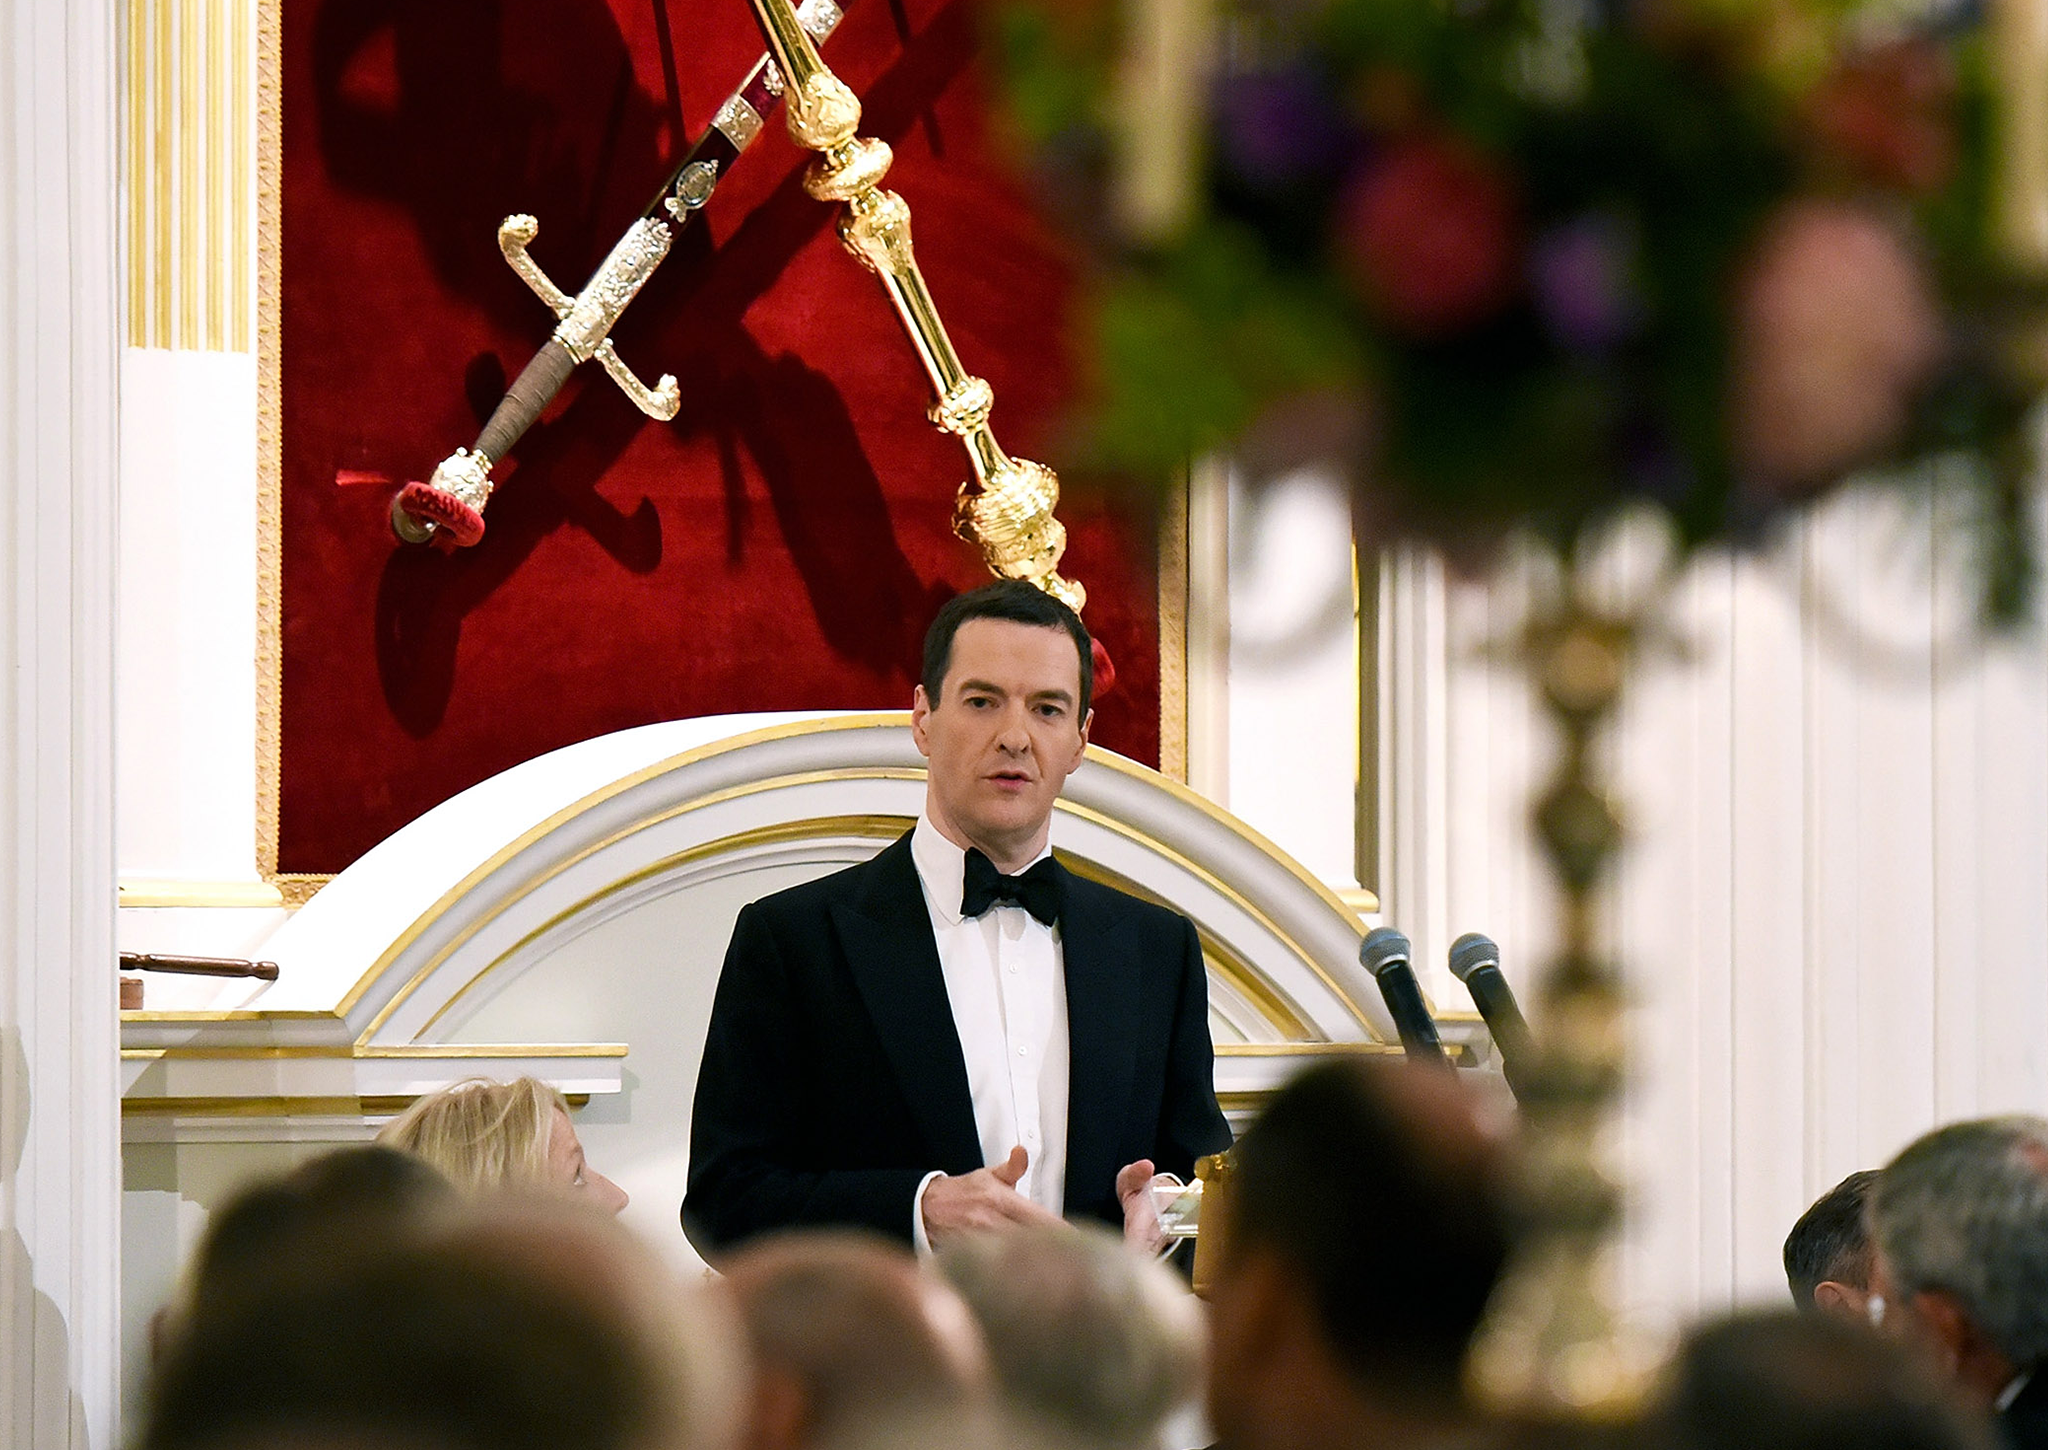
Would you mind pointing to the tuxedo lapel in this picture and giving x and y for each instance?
(886, 933)
(1101, 1003)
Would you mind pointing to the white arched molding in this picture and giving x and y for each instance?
(387, 975)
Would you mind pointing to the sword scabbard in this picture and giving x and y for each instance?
(450, 505)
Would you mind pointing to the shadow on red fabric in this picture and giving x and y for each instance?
(781, 544)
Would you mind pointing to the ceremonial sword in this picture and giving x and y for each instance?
(451, 503)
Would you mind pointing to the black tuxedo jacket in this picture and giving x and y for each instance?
(833, 1080)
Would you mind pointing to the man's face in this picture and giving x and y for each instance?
(1002, 737)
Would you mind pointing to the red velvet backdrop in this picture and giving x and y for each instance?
(780, 545)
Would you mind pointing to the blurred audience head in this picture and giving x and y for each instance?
(1091, 1341)
(516, 1325)
(1789, 1381)
(326, 1206)
(1827, 1254)
(1960, 1225)
(487, 1135)
(1363, 1235)
(852, 1343)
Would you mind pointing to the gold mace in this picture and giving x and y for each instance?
(1007, 507)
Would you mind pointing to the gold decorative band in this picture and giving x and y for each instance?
(191, 138)
(739, 122)
(283, 1107)
(140, 891)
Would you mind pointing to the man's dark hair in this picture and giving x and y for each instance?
(1784, 1381)
(1830, 1240)
(1018, 602)
(1399, 1233)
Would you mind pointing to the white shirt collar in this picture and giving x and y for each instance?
(942, 867)
(2012, 1391)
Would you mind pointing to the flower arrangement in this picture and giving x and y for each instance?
(1529, 261)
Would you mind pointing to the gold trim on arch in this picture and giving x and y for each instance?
(526, 888)
(1227, 891)
(1309, 1049)
(360, 1051)
(1228, 965)
(238, 1014)
(1218, 958)
(372, 1106)
(876, 720)
(590, 802)
(868, 827)
(1233, 824)
(794, 728)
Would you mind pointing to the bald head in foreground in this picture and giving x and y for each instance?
(852, 1343)
(1092, 1343)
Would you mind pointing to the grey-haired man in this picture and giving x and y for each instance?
(1960, 1225)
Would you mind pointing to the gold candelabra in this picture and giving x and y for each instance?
(1007, 507)
(1553, 1346)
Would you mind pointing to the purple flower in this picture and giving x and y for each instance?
(1581, 274)
(1279, 127)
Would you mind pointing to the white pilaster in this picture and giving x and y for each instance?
(59, 1173)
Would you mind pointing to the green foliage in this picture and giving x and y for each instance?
(1194, 344)
(1593, 349)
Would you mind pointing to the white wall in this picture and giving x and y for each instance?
(1292, 736)
(59, 1232)
(1835, 910)
(187, 636)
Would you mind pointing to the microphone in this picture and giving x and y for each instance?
(1385, 953)
(1475, 961)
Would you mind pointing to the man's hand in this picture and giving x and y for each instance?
(982, 1200)
(1141, 1220)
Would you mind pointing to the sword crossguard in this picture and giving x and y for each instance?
(585, 321)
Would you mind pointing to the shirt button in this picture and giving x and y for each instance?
(1023, 1051)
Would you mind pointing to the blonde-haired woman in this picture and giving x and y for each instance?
(485, 1135)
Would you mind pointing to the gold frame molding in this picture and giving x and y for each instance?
(296, 888)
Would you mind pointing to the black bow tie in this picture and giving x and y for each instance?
(1036, 889)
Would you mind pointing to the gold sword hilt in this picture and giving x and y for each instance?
(1007, 507)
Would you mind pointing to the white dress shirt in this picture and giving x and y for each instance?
(1006, 979)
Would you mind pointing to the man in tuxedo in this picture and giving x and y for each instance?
(1960, 1224)
(959, 1034)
